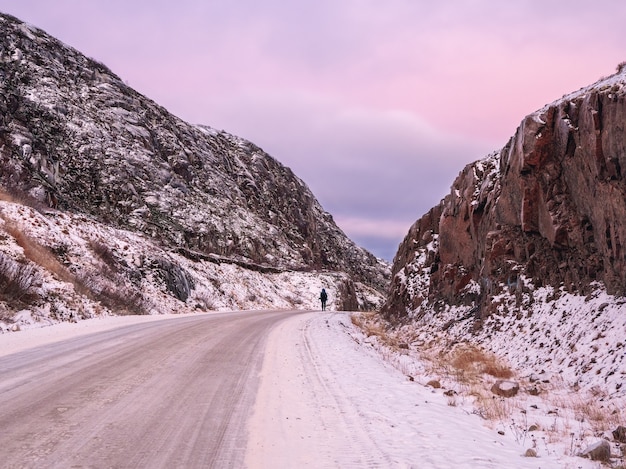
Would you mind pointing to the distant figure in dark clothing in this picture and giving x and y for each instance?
(323, 298)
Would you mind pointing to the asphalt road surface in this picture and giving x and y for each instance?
(165, 394)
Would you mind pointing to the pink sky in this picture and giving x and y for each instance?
(376, 105)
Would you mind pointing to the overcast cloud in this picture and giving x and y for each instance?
(377, 106)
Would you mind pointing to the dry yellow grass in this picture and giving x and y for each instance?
(491, 407)
(593, 410)
(469, 360)
(18, 197)
(5, 197)
(37, 253)
(370, 325)
(579, 417)
(122, 298)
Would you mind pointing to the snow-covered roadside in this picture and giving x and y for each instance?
(327, 401)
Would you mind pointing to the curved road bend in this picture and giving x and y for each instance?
(165, 394)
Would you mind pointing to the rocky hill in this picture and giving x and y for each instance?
(79, 149)
(526, 255)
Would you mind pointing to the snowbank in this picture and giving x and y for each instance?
(328, 400)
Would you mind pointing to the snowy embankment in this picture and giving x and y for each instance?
(327, 399)
(64, 267)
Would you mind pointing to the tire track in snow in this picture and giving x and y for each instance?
(326, 401)
(303, 417)
(342, 418)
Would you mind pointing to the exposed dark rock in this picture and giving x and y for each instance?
(178, 282)
(620, 434)
(346, 292)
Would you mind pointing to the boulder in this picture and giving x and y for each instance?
(599, 451)
(433, 383)
(505, 388)
(531, 453)
(620, 434)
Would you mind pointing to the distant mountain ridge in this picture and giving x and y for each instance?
(75, 138)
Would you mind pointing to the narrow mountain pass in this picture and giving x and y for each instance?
(170, 393)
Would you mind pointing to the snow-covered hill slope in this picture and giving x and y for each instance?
(61, 266)
(89, 153)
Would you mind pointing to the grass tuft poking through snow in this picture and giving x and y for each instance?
(548, 415)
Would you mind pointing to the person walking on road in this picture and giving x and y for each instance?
(323, 299)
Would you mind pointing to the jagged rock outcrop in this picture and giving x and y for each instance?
(549, 209)
(75, 138)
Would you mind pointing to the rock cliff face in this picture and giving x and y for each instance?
(549, 209)
(74, 137)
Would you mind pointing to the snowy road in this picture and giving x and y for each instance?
(170, 393)
(186, 393)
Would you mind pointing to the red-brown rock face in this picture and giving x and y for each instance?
(547, 209)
